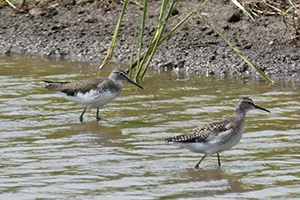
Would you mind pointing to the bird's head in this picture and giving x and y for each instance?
(246, 104)
(119, 74)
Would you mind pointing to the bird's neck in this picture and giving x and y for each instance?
(241, 114)
(118, 82)
(241, 117)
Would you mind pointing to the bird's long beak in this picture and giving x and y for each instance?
(258, 107)
(132, 82)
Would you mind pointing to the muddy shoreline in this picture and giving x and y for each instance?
(83, 31)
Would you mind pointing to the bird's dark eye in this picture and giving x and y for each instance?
(123, 74)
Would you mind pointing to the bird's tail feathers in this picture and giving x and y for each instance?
(169, 140)
(54, 86)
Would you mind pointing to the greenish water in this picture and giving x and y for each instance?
(47, 153)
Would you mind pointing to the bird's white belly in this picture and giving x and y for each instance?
(213, 146)
(205, 148)
(232, 142)
(93, 98)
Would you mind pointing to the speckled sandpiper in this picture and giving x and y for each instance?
(218, 136)
(92, 92)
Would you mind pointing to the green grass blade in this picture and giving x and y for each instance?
(168, 35)
(158, 36)
(152, 42)
(176, 27)
(267, 78)
(163, 38)
(134, 41)
(114, 39)
(204, 3)
(139, 64)
(288, 10)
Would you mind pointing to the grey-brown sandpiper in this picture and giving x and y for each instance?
(218, 136)
(92, 92)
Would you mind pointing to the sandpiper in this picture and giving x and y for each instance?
(92, 92)
(218, 136)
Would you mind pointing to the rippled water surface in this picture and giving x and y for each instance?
(47, 153)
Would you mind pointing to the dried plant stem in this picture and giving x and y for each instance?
(9, 3)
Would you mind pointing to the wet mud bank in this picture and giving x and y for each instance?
(82, 30)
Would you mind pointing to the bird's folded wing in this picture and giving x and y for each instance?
(82, 86)
(204, 133)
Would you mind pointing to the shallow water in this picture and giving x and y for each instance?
(47, 153)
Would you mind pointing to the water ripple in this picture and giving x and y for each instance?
(47, 153)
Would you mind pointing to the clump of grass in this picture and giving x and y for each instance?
(165, 36)
(142, 62)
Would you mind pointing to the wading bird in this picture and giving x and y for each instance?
(92, 92)
(218, 136)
